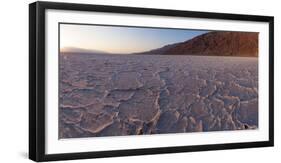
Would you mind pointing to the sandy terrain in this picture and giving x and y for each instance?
(112, 95)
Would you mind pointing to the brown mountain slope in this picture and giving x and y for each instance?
(216, 43)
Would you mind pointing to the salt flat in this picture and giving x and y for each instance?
(114, 95)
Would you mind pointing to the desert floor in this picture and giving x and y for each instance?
(114, 95)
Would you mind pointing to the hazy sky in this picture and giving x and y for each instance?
(114, 39)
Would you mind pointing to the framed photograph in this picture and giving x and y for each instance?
(111, 81)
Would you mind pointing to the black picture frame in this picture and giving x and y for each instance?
(37, 81)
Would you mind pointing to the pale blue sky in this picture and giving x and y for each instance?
(115, 39)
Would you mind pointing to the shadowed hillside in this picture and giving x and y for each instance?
(214, 43)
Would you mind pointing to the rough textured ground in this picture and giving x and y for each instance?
(111, 95)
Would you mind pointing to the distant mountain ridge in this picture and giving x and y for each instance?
(159, 50)
(214, 44)
(80, 50)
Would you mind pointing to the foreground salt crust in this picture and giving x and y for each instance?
(114, 95)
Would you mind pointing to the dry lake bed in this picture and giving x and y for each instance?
(114, 95)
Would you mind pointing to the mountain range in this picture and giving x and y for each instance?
(214, 44)
(81, 50)
(217, 43)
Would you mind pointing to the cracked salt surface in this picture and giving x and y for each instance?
(112, 95)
